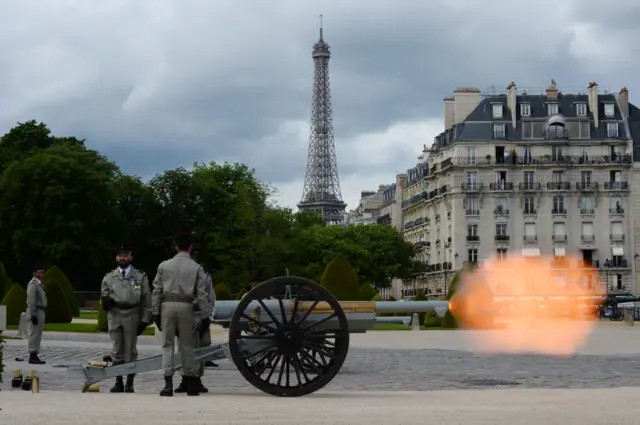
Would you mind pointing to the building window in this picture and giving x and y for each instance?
(472, 230)
(472, 205)
(587, 205)
(612, 130)
(585, 178)
(616, 205)
(472, 255)
(525, 109)
(530, 229)
(471, 155)
(499, 131)
(609, 110)
(529, 205)
(616, 229)
(558, 230)
(497, 110)
(472, 179)
(501, 229)
(558, 205)
(501, 204)
(587, 229)
(581, 109)
(552, 108)
(501, 253)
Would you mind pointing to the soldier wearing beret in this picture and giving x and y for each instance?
(36, 309)
(179, 305)
(126, 297)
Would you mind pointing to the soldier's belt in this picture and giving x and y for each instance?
(176, 298)
(126, 306)
(39, 307)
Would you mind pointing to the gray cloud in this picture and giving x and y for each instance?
(157, 84)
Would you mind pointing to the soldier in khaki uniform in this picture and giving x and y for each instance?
(36, 309)
(126, 298)
(179, 300)
(202, 339)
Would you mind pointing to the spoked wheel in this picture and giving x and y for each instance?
(289, 347)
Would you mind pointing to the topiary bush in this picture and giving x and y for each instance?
(420, 296)
(341, 280)
(16, 302)
(5, 283)
(58, 310)
(366, 292)
(431, 320)
(377, 298)
(449, 321)
(222, 292)
(103, 324)
(54, 274)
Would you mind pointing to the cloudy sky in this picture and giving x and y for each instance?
(158, 84)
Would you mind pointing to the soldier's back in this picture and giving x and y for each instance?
(179, 275)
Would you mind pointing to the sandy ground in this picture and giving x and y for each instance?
(468, 407)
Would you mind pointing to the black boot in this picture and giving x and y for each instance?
(182, 388)
(167, 391)
(128, 388)
(119, 386)
(209, 363)
(192, 386)
(34, 359)
(202, 389)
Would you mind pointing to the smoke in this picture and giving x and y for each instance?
(538, 305)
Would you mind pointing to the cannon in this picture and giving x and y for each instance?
(288, 336)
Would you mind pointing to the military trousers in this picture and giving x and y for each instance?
(123, 331)
(199, 341)
(34, 332)
(177, 318)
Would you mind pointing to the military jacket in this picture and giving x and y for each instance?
(36, 297)
(180, 279)
(131, 295)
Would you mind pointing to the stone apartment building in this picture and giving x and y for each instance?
(542, 173)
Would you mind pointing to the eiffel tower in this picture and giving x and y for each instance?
(321, 193)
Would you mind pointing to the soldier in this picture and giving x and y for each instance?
(202, 339)
(179, 300)
(36, 308)
(126, 297)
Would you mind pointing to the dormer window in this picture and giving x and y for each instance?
(525, 109)
(497, 110)
(609, 110)
(552, 108)
(581, 109)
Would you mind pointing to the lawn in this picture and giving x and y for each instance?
(77, 327)
(89, 315)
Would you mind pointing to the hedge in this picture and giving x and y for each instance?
(449, 321)
(103, 324)
(341, 280)
(54, 274)
(241, 294)
(431, 320)
(366, 292)
(16, 302)
(58, 310)
(420, 296)
(222, 292)
(5, 283)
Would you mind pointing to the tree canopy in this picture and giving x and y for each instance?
(64, 204)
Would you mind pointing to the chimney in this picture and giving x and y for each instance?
(465, 101)
(449, 112)
(512, 102)
(552, 91)
(593, 102)
(623, 100)
(401, 182)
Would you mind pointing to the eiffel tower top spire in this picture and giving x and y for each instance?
(321, 48)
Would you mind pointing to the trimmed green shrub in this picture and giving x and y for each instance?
(431, 320)
(241, 294)
(420, 296)
(5, 283)
(366, 292)
(449, 321)
(377, 298)
(54, 274)
(16, 302)
(58, 310)
(392, 298)
(103, 324)
(222, 292)
(340, 278)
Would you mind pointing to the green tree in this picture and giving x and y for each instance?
(55, 276)
(366, 292)
(341, 280)
(5, 282)
(58, 310)
(222, 292)
(16, 302)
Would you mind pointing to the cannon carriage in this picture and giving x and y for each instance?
(288, 336)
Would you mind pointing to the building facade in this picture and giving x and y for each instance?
(535, 174)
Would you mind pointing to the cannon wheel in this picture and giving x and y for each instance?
(298, 356)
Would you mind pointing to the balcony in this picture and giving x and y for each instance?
(437, 242)
(588, 238)
(529, 211)
(473, 238)
(501, 211)
(419, 246)
(558, 211)
(409, 225)
(529, 186)
(501, 238)
(589, 264)
(558, 186)
(464, 161)
(501, 186)
(472, 187)
(447, 265)
(587, 186)
(557, 133)
(616, 238)
(419, 221)
(616, 211)
(530, 238)
(414, 200)
(616, 185)
(472, 212)
(587, 211)
(616, 263)
(559, 238)
(384, 219)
